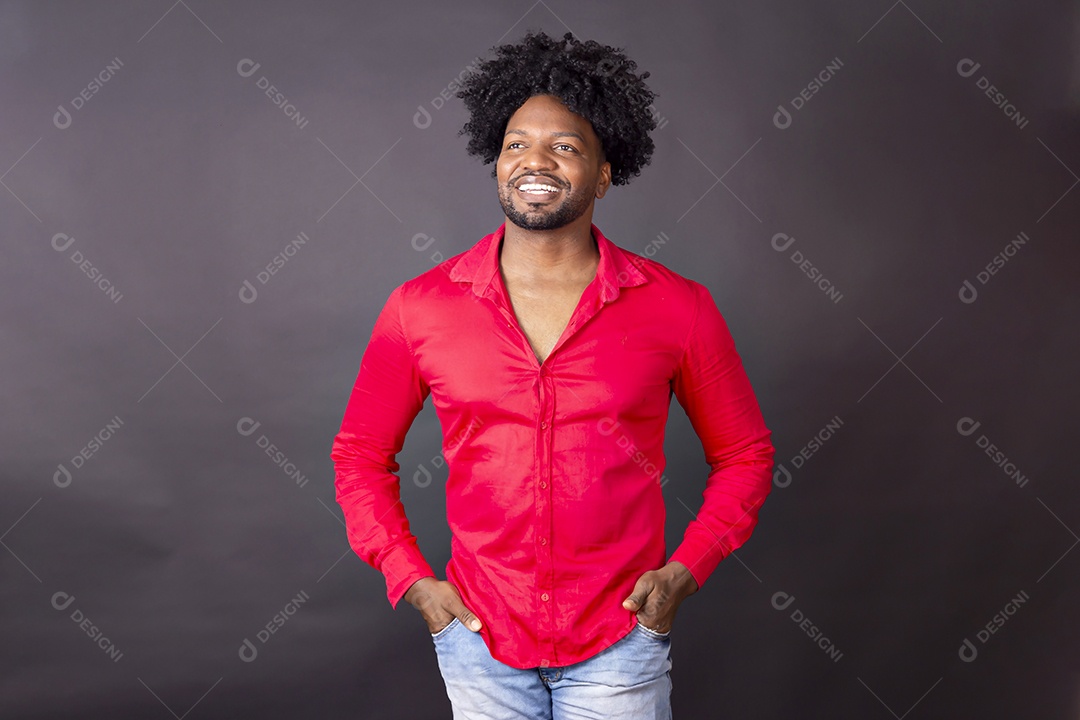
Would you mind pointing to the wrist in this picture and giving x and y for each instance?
(684, 579)
(417, 591)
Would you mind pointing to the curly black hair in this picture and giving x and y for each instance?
(595, 81)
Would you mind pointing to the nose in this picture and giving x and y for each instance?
(538, 157)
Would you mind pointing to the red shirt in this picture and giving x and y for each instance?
(554, 493)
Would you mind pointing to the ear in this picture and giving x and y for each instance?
(605, 180)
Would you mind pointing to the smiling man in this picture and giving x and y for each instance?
(551, 356)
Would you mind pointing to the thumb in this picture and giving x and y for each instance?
(457, 607)
(467, 617)
(636, 600)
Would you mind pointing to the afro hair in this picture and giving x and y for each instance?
(595, 81)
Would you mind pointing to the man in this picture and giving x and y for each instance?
(551, 356)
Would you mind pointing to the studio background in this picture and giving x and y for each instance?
(192, 268)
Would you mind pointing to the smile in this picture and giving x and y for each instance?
(537, 192)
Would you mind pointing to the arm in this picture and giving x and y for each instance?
(713, 389)
(385, 400)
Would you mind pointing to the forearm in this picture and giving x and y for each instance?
(377, 526)
(732, 497)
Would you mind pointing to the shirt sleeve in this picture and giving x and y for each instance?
(387, 396)
(712, 387)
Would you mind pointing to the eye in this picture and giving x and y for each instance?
(571, 148)
(511, 145)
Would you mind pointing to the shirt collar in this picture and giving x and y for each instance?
(479, 266)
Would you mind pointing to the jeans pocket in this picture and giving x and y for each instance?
(445, 630)
(652, 634)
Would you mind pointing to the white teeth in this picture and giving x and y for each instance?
(537, 188)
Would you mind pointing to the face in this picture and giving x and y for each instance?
(551, 167)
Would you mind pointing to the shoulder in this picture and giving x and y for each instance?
(439, 281)
(662, 279)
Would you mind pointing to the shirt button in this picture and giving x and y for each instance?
(543, 541)
(544, 597)
(543, 423)
(543, 484)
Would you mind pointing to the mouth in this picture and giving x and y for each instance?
(537, 189)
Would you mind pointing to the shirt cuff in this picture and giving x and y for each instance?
(402, 567)
(699, 556)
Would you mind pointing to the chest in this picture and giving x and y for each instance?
(544, 312)
(472, 354)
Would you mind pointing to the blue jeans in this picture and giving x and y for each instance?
(629, 679)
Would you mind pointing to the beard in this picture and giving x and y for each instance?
(573, 205)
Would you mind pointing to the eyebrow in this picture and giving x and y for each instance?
(554, 133)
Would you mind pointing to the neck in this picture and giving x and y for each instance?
(562, 253)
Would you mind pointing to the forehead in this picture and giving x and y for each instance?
(546, 113)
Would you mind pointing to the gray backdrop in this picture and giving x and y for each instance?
(206, 204)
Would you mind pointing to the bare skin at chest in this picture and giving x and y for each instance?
(543, 309)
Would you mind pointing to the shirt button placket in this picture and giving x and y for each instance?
(544, 554)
